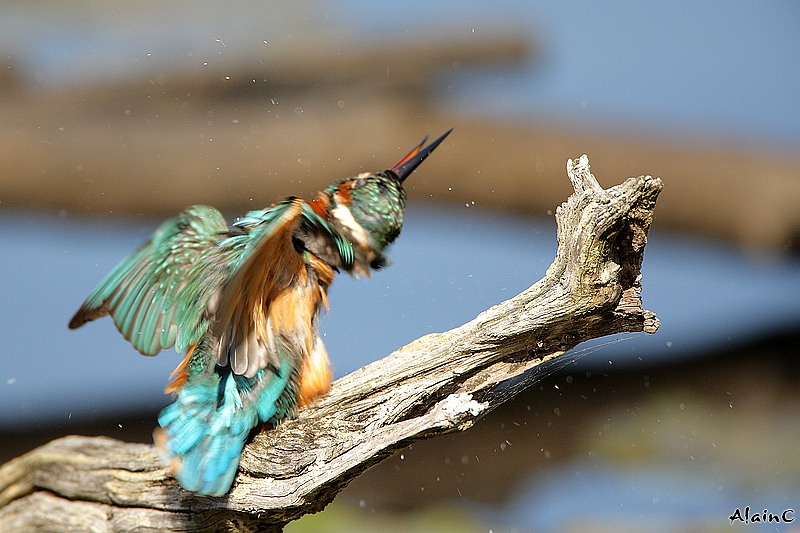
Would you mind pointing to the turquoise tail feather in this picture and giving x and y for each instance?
(204, 431)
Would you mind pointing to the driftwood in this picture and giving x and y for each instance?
(439, 383)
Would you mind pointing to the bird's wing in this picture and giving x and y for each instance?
(271, 298)
(142, 293)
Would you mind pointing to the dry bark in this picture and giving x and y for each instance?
(440, 383)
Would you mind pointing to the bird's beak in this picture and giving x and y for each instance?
(406, 166)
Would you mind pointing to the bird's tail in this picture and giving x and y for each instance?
(203, 432)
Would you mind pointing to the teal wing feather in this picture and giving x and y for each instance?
(222, 272)
(142, 292)
(261, 225)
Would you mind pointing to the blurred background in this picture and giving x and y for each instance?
(115, 115)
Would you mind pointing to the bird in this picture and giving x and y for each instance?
(243, 303)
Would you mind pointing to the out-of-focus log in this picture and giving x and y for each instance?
(241, 135)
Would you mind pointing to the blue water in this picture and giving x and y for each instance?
(590, 495)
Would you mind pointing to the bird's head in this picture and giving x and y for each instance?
(368, 209)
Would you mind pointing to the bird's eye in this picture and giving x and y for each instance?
(360, 183)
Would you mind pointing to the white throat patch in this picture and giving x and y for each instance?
(342, 213)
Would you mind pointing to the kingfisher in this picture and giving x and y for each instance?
(243, 302)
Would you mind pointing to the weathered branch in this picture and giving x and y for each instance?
(439, 383)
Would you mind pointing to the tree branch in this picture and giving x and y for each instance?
(440, 383)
